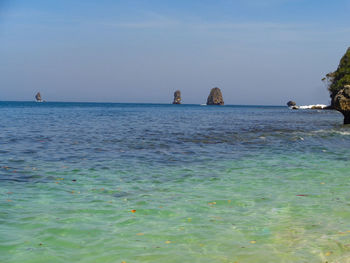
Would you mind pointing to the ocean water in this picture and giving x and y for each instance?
(89, 182)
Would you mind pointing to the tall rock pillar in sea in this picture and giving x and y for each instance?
(177, 97)
(38, 97)
(215, 97)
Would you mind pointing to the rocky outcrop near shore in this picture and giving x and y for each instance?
(215, 97)
(341, 103)
(177, 97)
(291, 103)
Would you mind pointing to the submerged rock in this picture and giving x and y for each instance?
(215, 97)
(342, 103)
(177, 97)
(317, 107)
(313, 107)
(309, 107)
(291, 103)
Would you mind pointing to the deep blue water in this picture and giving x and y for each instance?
(159, 133)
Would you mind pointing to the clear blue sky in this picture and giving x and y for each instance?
(256, 51)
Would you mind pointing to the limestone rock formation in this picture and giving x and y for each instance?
(38, 97)
(342, 103)
(338, 79)
(215, 97)
(291, 103)
(177, 97)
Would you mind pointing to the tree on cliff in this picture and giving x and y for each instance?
(338, 79)
(339, 87)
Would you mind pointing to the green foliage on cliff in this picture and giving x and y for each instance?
(337, 79)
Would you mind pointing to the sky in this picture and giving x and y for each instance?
(258, 52)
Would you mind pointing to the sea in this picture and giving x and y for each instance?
(109, 182)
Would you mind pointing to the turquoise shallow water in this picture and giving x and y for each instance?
(162, 183)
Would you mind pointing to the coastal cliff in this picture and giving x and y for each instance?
(338, 79)
(338, 83)
(215, 97)
(342, 103)
(177, 97)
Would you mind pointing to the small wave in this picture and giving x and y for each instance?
(343, 132)
(346, 133)
(321, 106)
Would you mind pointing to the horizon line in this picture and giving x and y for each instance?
(151, 103)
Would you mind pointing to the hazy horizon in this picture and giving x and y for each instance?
(155, 103)
(257, 52)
